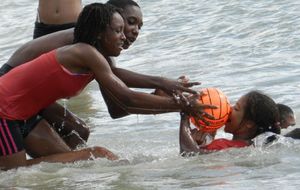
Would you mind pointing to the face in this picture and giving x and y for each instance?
(112, 40)
(290, 120)
(133, 23)
(234, 122)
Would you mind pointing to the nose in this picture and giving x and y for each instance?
(136, 30)
(123, 37)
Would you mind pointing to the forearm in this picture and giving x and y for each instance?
(73, 156)
(188, 146)
(143, 103)
(136, 80)
(37, 47)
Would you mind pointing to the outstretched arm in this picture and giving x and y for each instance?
(37, 47)
(131, 101)
(137, 80)
(187, 143)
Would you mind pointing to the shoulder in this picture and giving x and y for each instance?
(83, 56)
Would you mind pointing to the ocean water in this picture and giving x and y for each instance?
(236, 46)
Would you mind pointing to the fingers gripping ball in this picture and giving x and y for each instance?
(214, 96)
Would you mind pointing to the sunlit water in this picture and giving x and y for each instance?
(234, 45)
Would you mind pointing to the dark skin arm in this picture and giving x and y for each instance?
(187, 143)
(135, 80)
(36, 47)
(190, 140)
(85, 58)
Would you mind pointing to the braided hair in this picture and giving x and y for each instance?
(263, 111)
(92, 21)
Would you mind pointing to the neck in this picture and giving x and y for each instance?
(243, 135)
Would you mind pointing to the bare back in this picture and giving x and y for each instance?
(59, 11)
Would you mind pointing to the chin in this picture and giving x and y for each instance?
(126, 46)
(116, 54)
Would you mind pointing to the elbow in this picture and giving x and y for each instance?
(117, 115)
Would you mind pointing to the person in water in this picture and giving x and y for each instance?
(287, 116)
(56, 15)
(56, 115)
(24, 91)
(253, 114)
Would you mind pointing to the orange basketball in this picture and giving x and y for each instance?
(214, 96)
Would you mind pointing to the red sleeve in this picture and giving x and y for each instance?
(220, 144)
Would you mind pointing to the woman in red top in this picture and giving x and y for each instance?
(98, 34)
(253, 114)
(56, 114)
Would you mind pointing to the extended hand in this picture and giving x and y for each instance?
(196, 109)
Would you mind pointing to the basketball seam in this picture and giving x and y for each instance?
(210, 102)
(220, 103)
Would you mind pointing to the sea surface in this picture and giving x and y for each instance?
(234, 45)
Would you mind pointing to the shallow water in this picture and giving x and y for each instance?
(234, 45)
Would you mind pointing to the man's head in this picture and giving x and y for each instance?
(133, 19)
(287, 117)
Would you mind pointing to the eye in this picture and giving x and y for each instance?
(119, 30)
(131, 21)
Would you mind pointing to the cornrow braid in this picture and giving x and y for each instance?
(92, 21)
(263, 111)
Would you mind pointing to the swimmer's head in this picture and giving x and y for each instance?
(133, 19)
(254, 113)
(287, 117)
(100, 25)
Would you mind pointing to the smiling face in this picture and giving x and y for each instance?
(133, 18)
(112, 39)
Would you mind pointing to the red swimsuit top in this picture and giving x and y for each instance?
(220, 144)
(30, 87)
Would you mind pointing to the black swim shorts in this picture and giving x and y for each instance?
(12, 134)
(41, 29)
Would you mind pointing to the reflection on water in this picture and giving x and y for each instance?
(233, 45)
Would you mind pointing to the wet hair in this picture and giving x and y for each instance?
(122, 3)
(263, 111)
(92, 21)
(284, 111)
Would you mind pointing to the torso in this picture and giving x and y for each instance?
(38, 84)
(59, 11)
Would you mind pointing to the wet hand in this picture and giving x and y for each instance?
(177, 87)
(196, 109)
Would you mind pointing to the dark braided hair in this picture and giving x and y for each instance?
(92, 21)
(263, 111)
(122, 3)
